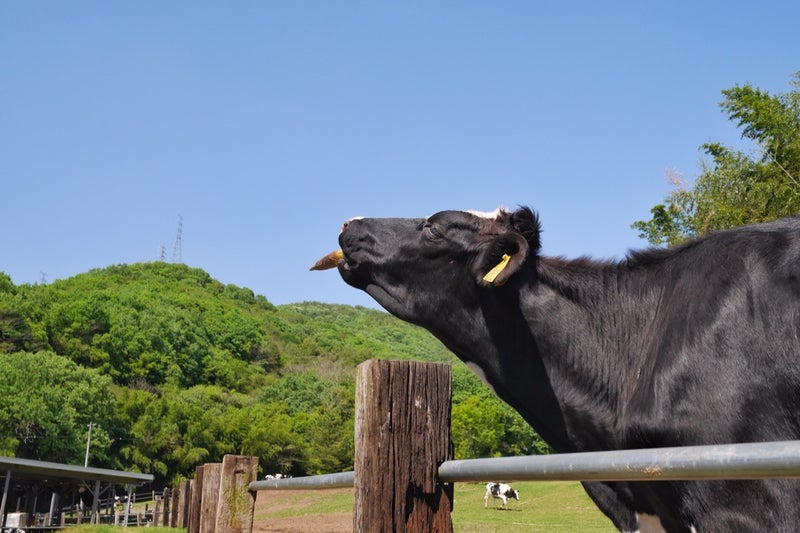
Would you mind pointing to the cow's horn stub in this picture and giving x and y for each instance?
(329, 261)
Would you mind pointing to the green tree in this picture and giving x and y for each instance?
(477, 428)
(151, 432)
(48, 403)
(736, 187)
(14, 331)
(328, 431)
(485, 426)
(17, 331)
(6, 285)
(300, 392)
(322, 414)
(270, 433)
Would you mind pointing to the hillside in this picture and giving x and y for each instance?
(176, 368)
(168, 323)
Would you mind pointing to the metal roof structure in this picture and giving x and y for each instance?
(28, 468)
(34, 476)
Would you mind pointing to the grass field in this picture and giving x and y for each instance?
(552, 506)
(562, 507)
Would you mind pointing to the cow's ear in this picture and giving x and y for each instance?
(501, 259)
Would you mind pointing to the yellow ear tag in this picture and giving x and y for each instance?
(493, 273)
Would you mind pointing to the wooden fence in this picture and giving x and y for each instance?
(217, 500)
(402, 435)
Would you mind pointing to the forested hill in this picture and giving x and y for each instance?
(176, 368)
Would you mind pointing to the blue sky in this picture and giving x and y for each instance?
(265, 125)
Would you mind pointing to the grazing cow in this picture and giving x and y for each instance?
(696, 344)
(499, 491)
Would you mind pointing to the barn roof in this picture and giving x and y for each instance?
(43, 470)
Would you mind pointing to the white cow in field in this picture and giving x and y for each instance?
(499, 491)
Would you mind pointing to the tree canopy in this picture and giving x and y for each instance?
(737, 187)
(48, 403)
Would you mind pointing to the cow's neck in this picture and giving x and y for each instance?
(589, 322)
(560, 346)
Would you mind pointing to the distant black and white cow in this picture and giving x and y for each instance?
(499, 491)
(696, 344)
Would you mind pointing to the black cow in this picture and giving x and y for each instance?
(696, 344)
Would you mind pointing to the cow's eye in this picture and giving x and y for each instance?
(431, 232)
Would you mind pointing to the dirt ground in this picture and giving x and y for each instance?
(270, 505)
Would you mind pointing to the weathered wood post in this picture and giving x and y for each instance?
(402, 435)
(156, 511)
(165, 503)
(210, 496)
(193, 525)
(183, 505)
(236, 503)
(175, 494)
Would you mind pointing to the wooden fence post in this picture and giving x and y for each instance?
(175, 493)
(210, 497)
(193, 522)
(236, 503)
(156, 511)
(165, 503)
(402, 435)
(183, 505)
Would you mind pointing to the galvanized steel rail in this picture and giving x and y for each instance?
(725, 461)
(324, 481)
(733, 461)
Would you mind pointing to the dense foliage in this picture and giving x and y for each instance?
(174, 369)
(737, 187)
(48, 402)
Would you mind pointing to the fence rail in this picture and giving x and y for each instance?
(324, 481)
(730, 461)
(712, 462)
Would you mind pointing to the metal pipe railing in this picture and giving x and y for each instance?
(733, 461)
(723, 461)
(324, 481)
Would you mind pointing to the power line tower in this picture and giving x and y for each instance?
(176, 250)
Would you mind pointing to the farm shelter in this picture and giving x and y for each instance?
(40, 490)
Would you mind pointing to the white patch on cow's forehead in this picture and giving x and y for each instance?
(486, 214)
(491, 215)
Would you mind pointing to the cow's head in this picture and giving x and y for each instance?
(416, 267)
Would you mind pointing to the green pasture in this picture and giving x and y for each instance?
(560, 506)
(554, 506)
(557, 506)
